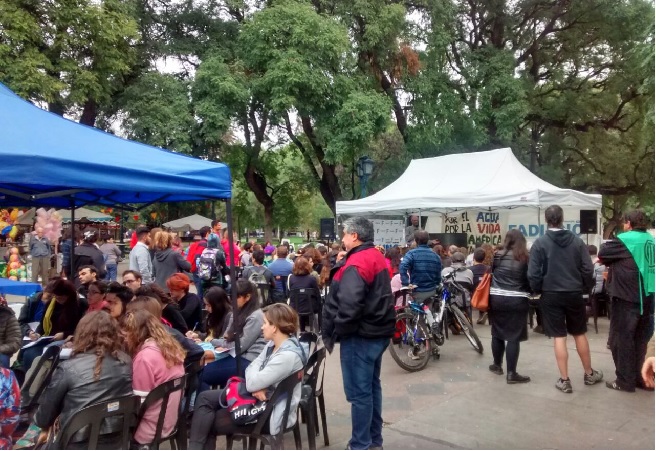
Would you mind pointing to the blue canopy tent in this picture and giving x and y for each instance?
(47, 160)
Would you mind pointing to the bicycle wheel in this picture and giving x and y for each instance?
(410, 348)
(468, 329)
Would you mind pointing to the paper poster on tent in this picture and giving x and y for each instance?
(491, 226)
(388, 232)
(480, 226)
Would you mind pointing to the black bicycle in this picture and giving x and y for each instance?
(416, 337)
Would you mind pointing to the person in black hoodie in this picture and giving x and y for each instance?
(88, 254)
(561, 270)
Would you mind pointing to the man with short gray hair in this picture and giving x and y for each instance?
(359, 311)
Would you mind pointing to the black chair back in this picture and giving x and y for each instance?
(306, 301)
(285, 389)
(93, 417)
(315, 368)
(162, 393)
(311, 338)
(51, 355)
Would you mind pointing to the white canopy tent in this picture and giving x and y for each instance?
(85, 213)
(482, 194)
(494, 179)
(193, 222)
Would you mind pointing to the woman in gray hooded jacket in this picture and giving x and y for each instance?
(282, 356)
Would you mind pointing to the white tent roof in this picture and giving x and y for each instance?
(193, 222)
(491, 179)
(91, 215)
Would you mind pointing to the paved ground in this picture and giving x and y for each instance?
(456, 403)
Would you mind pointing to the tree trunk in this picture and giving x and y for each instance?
(89, 113)
(257, 184)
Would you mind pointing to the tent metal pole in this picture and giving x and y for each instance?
(122, 232)
(233, 283)
(73, 243)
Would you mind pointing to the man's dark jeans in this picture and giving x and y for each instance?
(361, 360)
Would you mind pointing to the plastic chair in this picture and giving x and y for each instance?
(283, 391)
(311, 338)
(93, 416)
(192, 371)
(314, 372)
(304, 301)
(162, 393)
(30, 404)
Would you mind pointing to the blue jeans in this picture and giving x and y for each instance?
(112, 270)
(4, 360)
(218, 373)
(361, 359)
(199, 285)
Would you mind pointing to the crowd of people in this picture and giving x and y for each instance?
(132, 336)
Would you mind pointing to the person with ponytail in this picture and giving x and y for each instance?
(281, 357)
(247, 325)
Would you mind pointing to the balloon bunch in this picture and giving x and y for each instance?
(7, 221)
(51, 223)
(16, 268)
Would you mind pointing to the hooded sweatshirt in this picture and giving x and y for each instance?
(267, 371)
(560, 262)
(148, 371)
(165, 264)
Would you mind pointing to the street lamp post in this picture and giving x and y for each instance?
(364, 168)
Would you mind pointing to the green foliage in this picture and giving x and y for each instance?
(66, 51)
(158, 112)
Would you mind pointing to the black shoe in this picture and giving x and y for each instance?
(514, 378)
(496, 369)
(538, 330)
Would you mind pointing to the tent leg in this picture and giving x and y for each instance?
(233, 281)
(73, 243)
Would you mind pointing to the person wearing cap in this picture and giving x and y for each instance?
(140, 255)
(88, 254)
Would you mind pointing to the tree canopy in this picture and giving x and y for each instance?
(291, 93)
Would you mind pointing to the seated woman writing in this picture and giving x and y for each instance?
(59, 321)
(97, 371)
(219, 316)
(247, 324)
(281, 357)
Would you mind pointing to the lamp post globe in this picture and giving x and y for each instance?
(364, 168)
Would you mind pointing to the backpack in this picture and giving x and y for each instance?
(206, 268)
(257, 278)
(243, 407)
(260, 280)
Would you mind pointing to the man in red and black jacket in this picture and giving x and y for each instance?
(359, 312)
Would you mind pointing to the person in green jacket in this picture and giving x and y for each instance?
(630, 259)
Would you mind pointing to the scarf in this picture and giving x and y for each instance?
(47, 318)
(641, 246)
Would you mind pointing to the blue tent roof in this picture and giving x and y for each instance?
(44, 159)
